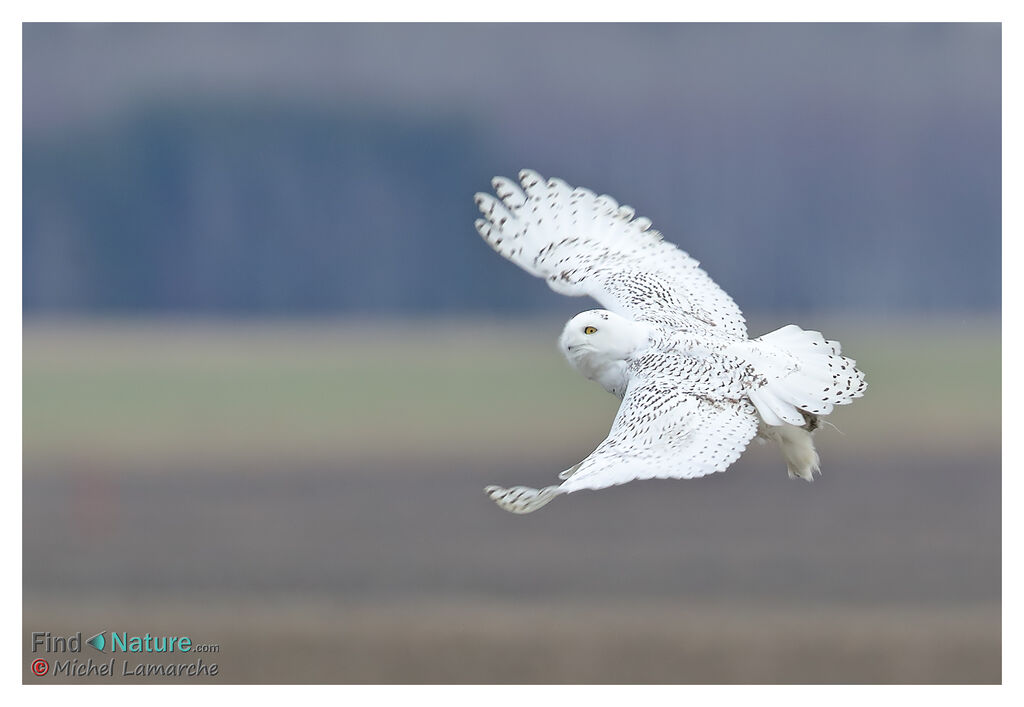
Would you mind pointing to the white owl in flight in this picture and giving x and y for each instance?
(671, 344)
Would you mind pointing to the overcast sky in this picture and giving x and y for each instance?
(799, 146)
(509, 73)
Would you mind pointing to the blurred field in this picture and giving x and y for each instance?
(309, 496)
(311, 640)
(214, 394)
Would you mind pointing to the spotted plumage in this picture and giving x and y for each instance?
(671, 344)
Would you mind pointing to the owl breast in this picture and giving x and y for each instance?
(611, 375)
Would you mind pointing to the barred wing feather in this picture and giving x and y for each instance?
(658, 433)
(584, 244)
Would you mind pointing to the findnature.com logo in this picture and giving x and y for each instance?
(175, 648)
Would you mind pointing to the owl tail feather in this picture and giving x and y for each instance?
(804, 372)
(522, 499)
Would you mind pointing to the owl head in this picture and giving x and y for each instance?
(598, 336)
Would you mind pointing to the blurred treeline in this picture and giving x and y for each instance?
(815, 178)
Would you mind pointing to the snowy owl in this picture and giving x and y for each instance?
(671, 345)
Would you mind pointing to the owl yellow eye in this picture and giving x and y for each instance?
(589, 330)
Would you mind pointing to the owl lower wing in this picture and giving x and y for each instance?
(662, 434)
(658, 433)
(584, 244)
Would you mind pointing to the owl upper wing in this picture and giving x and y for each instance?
(666, 428)
(584, 244)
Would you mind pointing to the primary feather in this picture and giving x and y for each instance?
(671, 343)
(584, 244)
